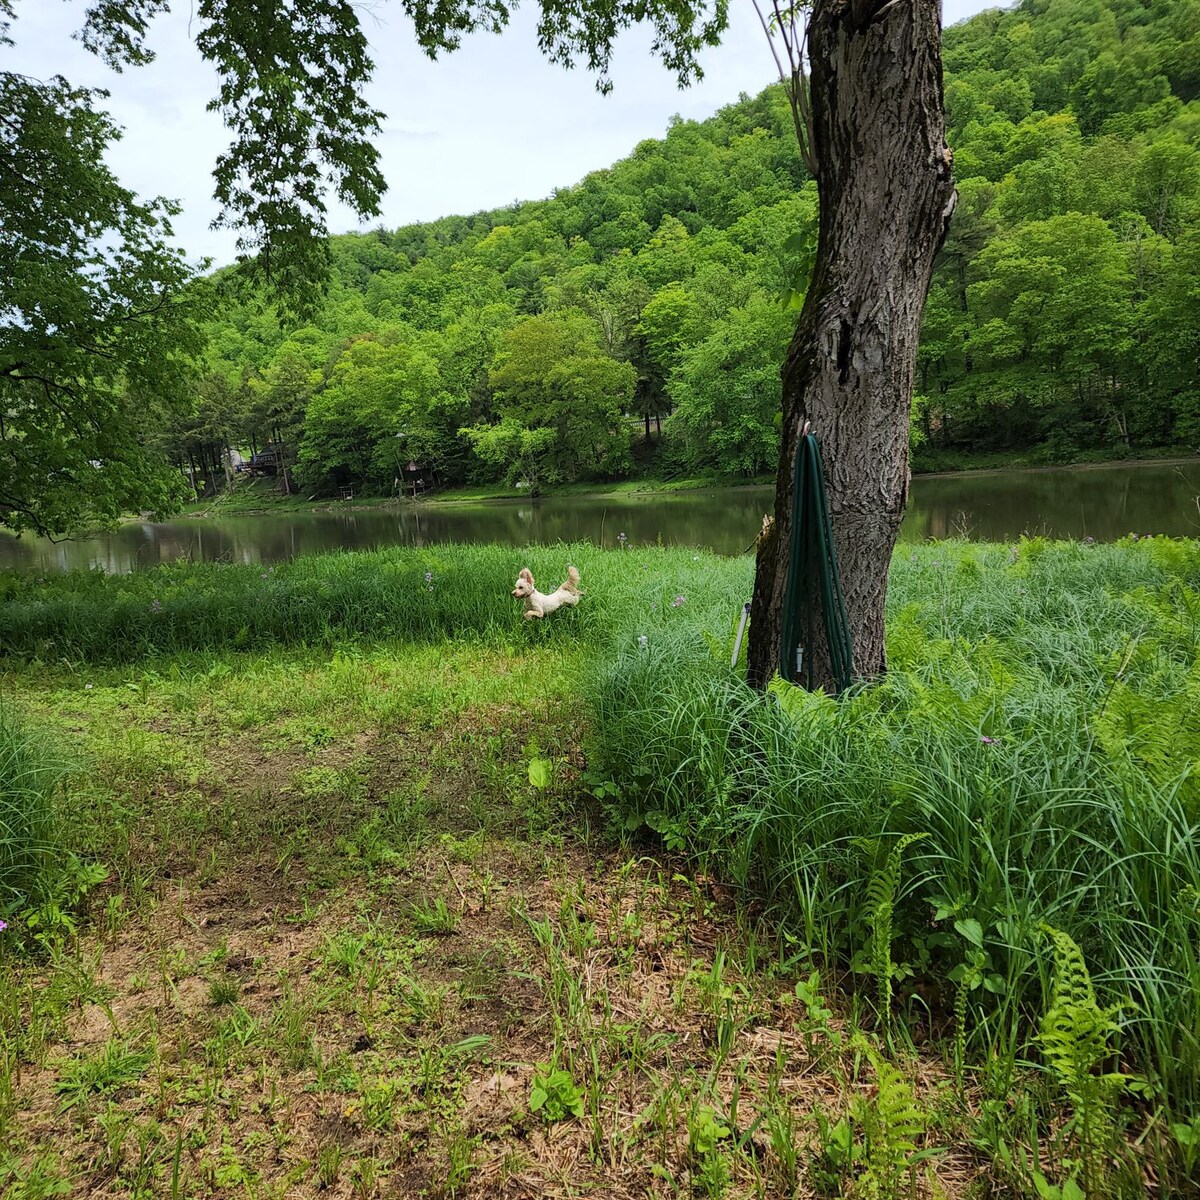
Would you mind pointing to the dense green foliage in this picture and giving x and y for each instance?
(1062, 316)
(1065, 310)
(531, 343)
(522, 343)
(97, 325)
(94, 320)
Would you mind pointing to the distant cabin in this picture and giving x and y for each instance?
(268, 460)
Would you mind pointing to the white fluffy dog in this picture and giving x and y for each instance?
(539, 605)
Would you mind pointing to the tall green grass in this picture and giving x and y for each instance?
(1038, 725)
(29, 833)
(423, 596)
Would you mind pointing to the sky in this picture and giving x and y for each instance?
(487, 125)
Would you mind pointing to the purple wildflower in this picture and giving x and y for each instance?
(678, 601)
(3, 926)
(155, 606)
(988, 741)
(428, 576)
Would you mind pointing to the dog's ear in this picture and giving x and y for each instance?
(525, 574)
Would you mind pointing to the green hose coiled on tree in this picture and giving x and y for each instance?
(812, 576)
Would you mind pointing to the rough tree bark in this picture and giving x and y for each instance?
(884, 176)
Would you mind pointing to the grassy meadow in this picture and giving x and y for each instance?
(339, 878)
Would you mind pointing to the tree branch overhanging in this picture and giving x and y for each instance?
(787, 31)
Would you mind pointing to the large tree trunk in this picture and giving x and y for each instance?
(883, 173)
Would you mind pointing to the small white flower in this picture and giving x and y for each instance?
(643, 641)
(87, 687)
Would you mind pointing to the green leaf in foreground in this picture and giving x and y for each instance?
(540, 772)
(554, 1095)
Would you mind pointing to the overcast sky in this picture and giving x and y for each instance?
(492, 123)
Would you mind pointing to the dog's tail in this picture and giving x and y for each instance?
(571, 583)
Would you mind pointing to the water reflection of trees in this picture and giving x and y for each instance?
(1104, 504)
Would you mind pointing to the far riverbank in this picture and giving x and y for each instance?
(258, 497)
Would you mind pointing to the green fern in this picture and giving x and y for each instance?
(1074, 1037)
(891, 1125)
(881, 903)
(1152, 729)
(961, 996)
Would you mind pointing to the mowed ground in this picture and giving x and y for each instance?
(350, 944)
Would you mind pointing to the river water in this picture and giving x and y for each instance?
(1099, 502)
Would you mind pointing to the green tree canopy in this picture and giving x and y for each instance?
(726, 390)
(96, 325)
(663, 251)
(551, 372)
(97, 319)
(372, 415)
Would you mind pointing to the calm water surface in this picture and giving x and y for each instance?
(1101, 502)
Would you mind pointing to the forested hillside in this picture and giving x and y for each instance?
(1066, 309)
(544, 342)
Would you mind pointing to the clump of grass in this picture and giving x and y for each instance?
(29, 831)
(223, 991)
(436, 917)
(1028, 729)
(117, 1064)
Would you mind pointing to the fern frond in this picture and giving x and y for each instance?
(1074, 1036)
(885, 882)
(898, 1110)
(891, 1127)
(881, 901)
(1075, 1030)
